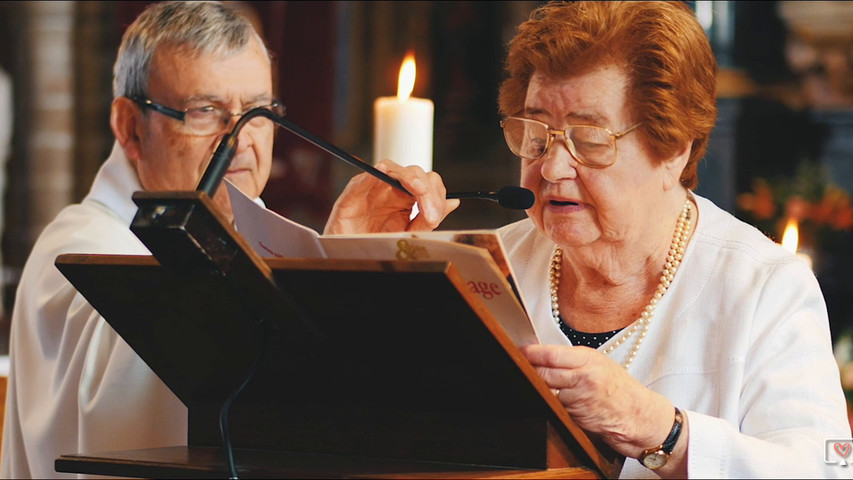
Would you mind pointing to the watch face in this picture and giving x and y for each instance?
(655, 460)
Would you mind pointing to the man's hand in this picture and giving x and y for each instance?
(369, 205)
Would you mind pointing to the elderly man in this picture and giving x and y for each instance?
(185, 72)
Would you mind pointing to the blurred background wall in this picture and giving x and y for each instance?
(782, 147)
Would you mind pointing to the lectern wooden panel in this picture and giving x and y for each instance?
(389, 360)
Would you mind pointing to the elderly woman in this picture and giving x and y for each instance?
(681, 336)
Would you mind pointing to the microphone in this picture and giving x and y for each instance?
(516, 198)
(508, 197)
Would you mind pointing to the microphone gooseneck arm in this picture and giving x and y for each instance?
(341, 154)
(508, 197)
(221, 158)
(219, 162)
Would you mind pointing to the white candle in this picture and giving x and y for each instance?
(403, 125)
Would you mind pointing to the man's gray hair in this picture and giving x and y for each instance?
(196, 28)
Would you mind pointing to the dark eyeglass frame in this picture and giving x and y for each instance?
(181, 115)
(552, 134)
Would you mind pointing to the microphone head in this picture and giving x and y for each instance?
(516, 198)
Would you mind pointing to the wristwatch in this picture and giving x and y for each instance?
(656, 457)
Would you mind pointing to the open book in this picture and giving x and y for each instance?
(478, 255)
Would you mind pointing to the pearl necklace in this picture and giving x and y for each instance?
(673, 260)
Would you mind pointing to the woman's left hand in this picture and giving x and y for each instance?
(603, 398)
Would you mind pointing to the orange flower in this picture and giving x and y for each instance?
(822, 212)
(840, 212)
(843, 219)
(759, 203)
(797, 207)
(833, 210)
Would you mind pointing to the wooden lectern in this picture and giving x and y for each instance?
(349, 369)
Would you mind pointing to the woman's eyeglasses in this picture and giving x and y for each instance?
(594, 147)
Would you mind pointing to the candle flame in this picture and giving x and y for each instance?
(406, 82)
(791, 236)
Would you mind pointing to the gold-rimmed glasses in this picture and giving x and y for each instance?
(592, 146)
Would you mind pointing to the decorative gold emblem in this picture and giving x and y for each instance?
(407, 252)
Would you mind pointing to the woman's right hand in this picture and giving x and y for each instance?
(369, 205)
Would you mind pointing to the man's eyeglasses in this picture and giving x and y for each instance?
(594, 147)
(208, 120)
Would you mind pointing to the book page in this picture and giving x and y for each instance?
(270, 234)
